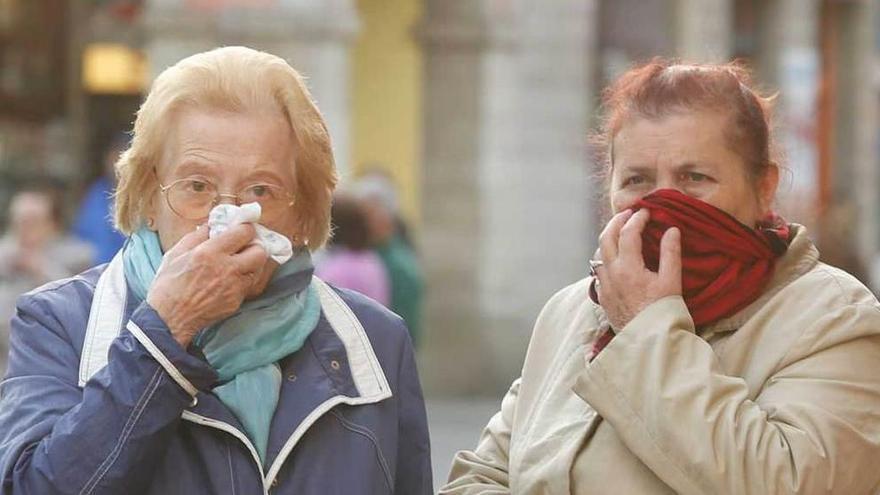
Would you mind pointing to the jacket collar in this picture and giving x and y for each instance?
(800, 258)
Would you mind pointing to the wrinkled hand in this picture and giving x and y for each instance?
(626, 286)
(201, 280)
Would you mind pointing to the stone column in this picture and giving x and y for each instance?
(792, 65)
(456, 45)
(173, 31)
(856, 125)
(866, 178)
(314, 36)
(506, 190)
(703, 30)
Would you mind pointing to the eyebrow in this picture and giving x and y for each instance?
(639, 169)
(191, 166)
(260, 172)
(681, 167)
(688, 166)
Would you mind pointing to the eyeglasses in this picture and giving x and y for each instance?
(193, 198)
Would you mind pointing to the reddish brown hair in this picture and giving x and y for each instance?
(662, 87)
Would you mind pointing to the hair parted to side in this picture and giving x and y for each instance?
(662, 87)
(234, 79)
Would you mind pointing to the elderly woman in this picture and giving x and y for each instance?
(711, 352)
(194, 362)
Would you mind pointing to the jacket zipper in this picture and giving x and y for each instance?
(291, 441)
(228, 428)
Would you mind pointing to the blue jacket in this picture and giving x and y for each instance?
(350, 419)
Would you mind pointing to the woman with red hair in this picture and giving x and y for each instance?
(709, 351)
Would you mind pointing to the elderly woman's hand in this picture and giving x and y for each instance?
(201, 280)
(626, 286)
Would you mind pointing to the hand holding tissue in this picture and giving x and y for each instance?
(224, 216)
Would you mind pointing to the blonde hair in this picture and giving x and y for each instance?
(235, 79)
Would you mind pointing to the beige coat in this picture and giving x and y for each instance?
(783, 397)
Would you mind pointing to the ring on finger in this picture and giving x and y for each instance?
(594, 265)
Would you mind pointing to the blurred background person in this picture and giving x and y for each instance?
(391, 242)
(34, 250)
(94, 222)
(349, 261)
(378, 185)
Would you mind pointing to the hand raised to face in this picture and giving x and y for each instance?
(626, 285)
(202, 281)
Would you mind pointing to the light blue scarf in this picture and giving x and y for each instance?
(245, 347)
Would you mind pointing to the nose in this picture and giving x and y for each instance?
(667, 183)
(226, 198)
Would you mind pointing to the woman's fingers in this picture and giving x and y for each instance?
(251, 259)
(597, 285)
(609, 237)
(624, 285)
(189, 241)
(234, 239)
(670, 260)
(629, 245)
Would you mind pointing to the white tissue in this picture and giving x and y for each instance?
(225, 215)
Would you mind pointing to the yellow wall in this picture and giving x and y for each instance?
(387, 108)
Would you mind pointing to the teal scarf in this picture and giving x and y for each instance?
(245, 347)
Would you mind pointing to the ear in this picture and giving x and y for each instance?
(767, 185)
(150, 213)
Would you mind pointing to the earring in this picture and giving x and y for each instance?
(296, 241)
(151, 223)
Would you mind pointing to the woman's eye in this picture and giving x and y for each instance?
(197, 186)
(260, 191)
(635, 180)
(695, 177)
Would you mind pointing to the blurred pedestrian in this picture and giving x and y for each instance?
(349, 261)
(94, 220)
(35, 250)
(709, 351)
(376, 184)
(389, 234)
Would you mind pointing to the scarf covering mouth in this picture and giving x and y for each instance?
(726, 265)
(245, 347)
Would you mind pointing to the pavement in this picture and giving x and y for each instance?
(455, 424)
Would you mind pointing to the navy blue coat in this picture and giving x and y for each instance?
(350, 419)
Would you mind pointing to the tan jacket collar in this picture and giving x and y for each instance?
(800, 258)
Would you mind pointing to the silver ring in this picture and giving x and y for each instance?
(594, 265)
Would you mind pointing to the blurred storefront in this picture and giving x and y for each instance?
(70, 81)
(33, 90)
(74, 74)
